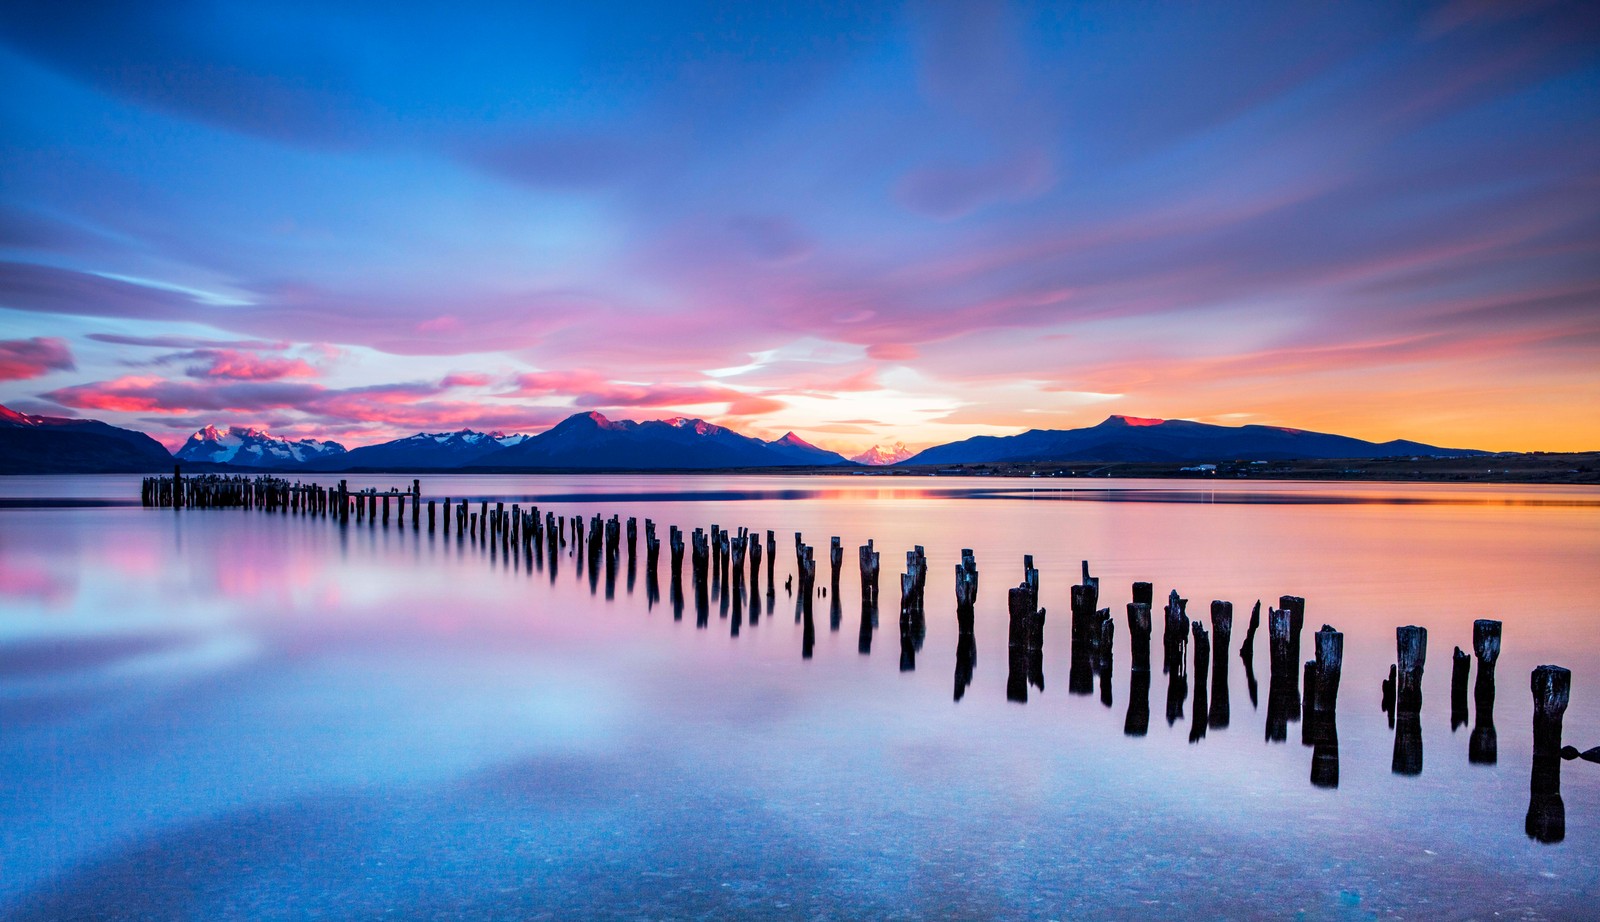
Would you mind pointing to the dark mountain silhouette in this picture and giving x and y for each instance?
(423, 451)
(1128, 438)
(802, 452)
(590, 441)
(58, 445)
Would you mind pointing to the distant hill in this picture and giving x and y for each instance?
(1128, 438)
(248, 447)
(423, 451)
(58, 445)
(589, 441)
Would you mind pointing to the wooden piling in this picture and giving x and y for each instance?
(1460, 668)
(1552, 689)
(1411, 655)
(1486, 647)
(867, 559)
(1139, 635)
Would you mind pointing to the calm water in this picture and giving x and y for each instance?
(229, 714)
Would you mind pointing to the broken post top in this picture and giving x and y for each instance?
(1411, 647)
(1552, 689)
(1486, 640)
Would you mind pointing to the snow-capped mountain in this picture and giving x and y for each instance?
(425, 450)
(590, 441)
(877, 455)
(251, 447)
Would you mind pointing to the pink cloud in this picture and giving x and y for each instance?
(245, 366)
(293, 408)
(892, 352)
(29, 358)
(465, 379)
(589, 389)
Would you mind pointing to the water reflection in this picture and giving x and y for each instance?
(1202, 680)
(1137, 723)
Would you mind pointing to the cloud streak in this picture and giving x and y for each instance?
(21, 359)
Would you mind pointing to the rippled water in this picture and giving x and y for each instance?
(207, 714)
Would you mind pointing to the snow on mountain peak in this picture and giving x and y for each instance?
(878, 456)
(247, 445)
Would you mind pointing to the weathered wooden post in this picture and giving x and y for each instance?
(1486, 646)
(1322, 695)
(1085, 637)
(1247, 650)
(922, 580)
(1103, 655)
(1202, 667)
(1139, 634)
(1020, 606)
(1321, 729)
(1296, 607)
(1411, 646)
(1547, 813)
(868, 561)
(1175, 636)
(835, 561)
(1552, 689)
(966, 589)
(736, 551)
(1460, 667)
(1222, 632)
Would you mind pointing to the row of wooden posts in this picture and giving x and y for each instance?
(719, 560)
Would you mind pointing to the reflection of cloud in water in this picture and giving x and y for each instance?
(33, 581)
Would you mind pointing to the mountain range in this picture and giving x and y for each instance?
(422, 451)
(243, 446)
(1131, 438)
(878, 456)
(590, 441)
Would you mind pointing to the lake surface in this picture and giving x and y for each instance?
(231, 714)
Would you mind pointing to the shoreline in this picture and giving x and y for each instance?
(1577, 469)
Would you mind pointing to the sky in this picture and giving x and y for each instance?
(866, 223)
